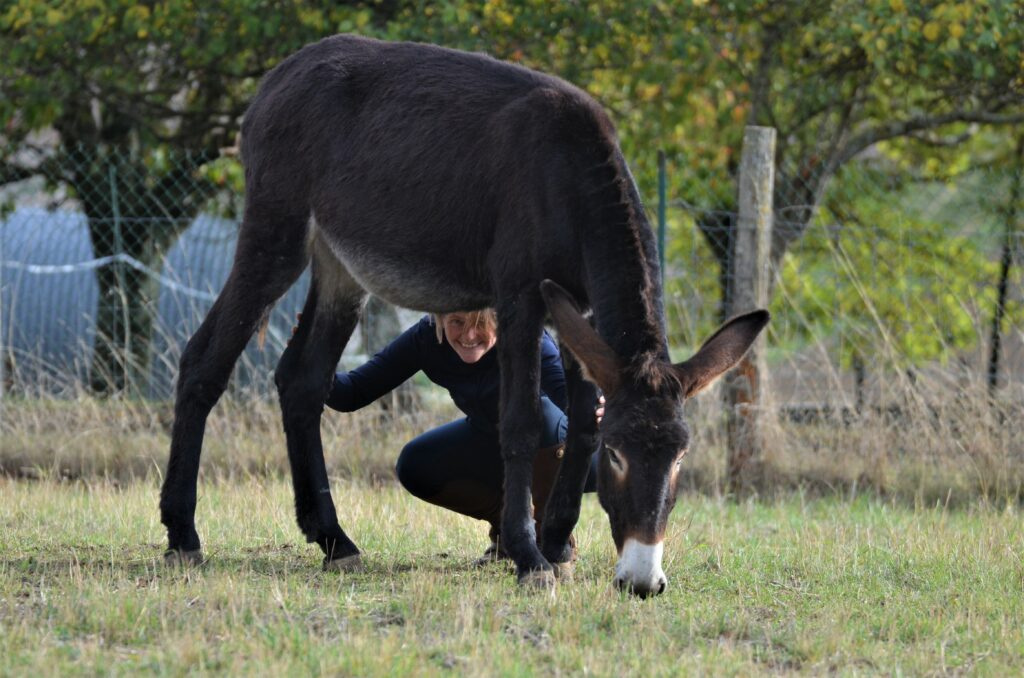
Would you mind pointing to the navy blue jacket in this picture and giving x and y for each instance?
(473, 387)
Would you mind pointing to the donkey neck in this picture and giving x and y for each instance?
(621, 261)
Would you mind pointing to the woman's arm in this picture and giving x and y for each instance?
(552, 376)
(382, 373)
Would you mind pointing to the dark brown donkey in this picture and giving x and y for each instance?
(447, 181)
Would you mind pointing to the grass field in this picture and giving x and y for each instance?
(827, 585)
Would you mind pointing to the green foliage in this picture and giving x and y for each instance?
(177, 73)
(683, 76)
(125, 86)
(823, 69)
(880, 261)
(927, 81)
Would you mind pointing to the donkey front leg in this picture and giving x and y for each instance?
(518, 348)
(304, 377)
(563, 507)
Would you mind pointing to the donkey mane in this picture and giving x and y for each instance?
(627, 300)
(655, 375)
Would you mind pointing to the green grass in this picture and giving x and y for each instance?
(792, 585)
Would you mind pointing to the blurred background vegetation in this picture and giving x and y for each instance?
(895, 253)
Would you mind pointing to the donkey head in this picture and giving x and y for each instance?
(643, 435)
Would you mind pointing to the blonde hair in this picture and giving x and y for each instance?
(485, 318)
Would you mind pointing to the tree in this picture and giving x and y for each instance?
(888, 276)
(1010, 213)
(837, 78)
(141, 97)
(834, 77)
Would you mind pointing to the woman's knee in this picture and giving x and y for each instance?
(413, 471)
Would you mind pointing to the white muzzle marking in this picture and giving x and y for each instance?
(639, 568)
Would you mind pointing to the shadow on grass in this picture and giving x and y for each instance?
(135, 563)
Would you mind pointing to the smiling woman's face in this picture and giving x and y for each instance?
(470, 340)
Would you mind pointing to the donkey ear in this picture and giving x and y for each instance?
(721, 352)
(598, 360)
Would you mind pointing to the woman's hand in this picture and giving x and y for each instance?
(599, 411)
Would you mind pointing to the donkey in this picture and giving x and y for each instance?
(446, 181)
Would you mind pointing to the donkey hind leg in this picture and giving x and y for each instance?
(260, 275)
(304, 377)
(521, 321)
(563, 507)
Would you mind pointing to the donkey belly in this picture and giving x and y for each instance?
(420, 283)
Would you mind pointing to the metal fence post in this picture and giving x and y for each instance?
(122, 290)
(751, 248)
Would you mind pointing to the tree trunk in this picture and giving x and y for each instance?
(717, 229)
(1006, 262)
(860, 374)
(133, 211)
(124, 329)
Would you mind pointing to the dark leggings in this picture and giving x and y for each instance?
(469, 456)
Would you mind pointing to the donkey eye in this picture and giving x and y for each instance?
(614, 458)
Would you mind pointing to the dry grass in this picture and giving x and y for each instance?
(122, 440)
(934, 437)
(924, 441)
(953, 450)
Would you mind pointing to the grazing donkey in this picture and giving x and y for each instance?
(447, 181)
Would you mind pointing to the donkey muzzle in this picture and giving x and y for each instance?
(639, 569)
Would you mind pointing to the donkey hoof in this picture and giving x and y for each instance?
(179, 558)
(538, 580)
(565, 571)
(346, 564)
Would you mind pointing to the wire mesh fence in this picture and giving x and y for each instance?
(108, 263)
(111, 260)
(873, 273)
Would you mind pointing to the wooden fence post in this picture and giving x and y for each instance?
(749, 262)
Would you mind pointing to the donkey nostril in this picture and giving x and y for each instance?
(662, 585)
(620, 583)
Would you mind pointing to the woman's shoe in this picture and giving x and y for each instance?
(494, 552)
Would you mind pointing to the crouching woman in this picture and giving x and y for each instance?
(458, 466)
